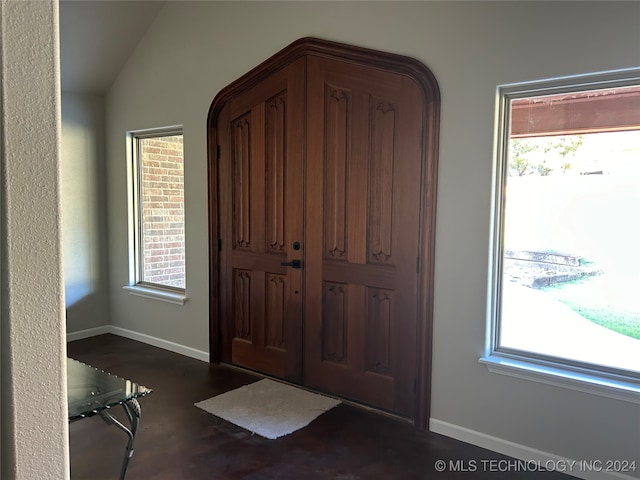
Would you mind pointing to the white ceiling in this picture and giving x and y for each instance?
(96, 39)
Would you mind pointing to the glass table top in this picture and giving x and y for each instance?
(90, 390)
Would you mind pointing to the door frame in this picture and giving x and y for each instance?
(426, 81)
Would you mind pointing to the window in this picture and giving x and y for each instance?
(157, 234)
(565, 283)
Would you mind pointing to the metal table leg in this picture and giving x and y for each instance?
(132, 409)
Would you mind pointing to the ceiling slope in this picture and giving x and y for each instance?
(97, 38)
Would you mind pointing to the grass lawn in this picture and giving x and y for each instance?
(604, 300)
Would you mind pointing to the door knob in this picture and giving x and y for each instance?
(292, 264)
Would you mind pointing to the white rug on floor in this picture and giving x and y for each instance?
(270, 409)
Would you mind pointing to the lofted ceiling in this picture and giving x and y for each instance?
(96, 39)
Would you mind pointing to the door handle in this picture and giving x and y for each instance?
(292, 264)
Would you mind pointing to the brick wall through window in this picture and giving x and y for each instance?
(162, 210)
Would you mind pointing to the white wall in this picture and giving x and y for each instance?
(84, 210)
(34, 434)
(195, 49)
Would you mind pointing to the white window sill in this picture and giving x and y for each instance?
(619, 389)
(156, 293)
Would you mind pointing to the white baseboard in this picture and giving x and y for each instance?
(89, 332)
(584, 470)
(140, 337)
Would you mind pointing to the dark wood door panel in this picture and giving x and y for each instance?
(364, 142)
(265, 92)
(383, 277)
(360, 353)
(260, 174)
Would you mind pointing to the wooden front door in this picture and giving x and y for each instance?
(260, 192)
(322, 212)
(362, 233)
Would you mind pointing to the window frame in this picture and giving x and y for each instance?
(591, 378)
(137, 286)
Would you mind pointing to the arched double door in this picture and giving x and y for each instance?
(322, 205)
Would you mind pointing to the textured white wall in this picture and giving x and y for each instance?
(194, 49)
(34, 408)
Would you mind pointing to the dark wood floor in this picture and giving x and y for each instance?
(178, 441)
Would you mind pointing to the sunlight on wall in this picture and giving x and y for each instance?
(79, 208)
